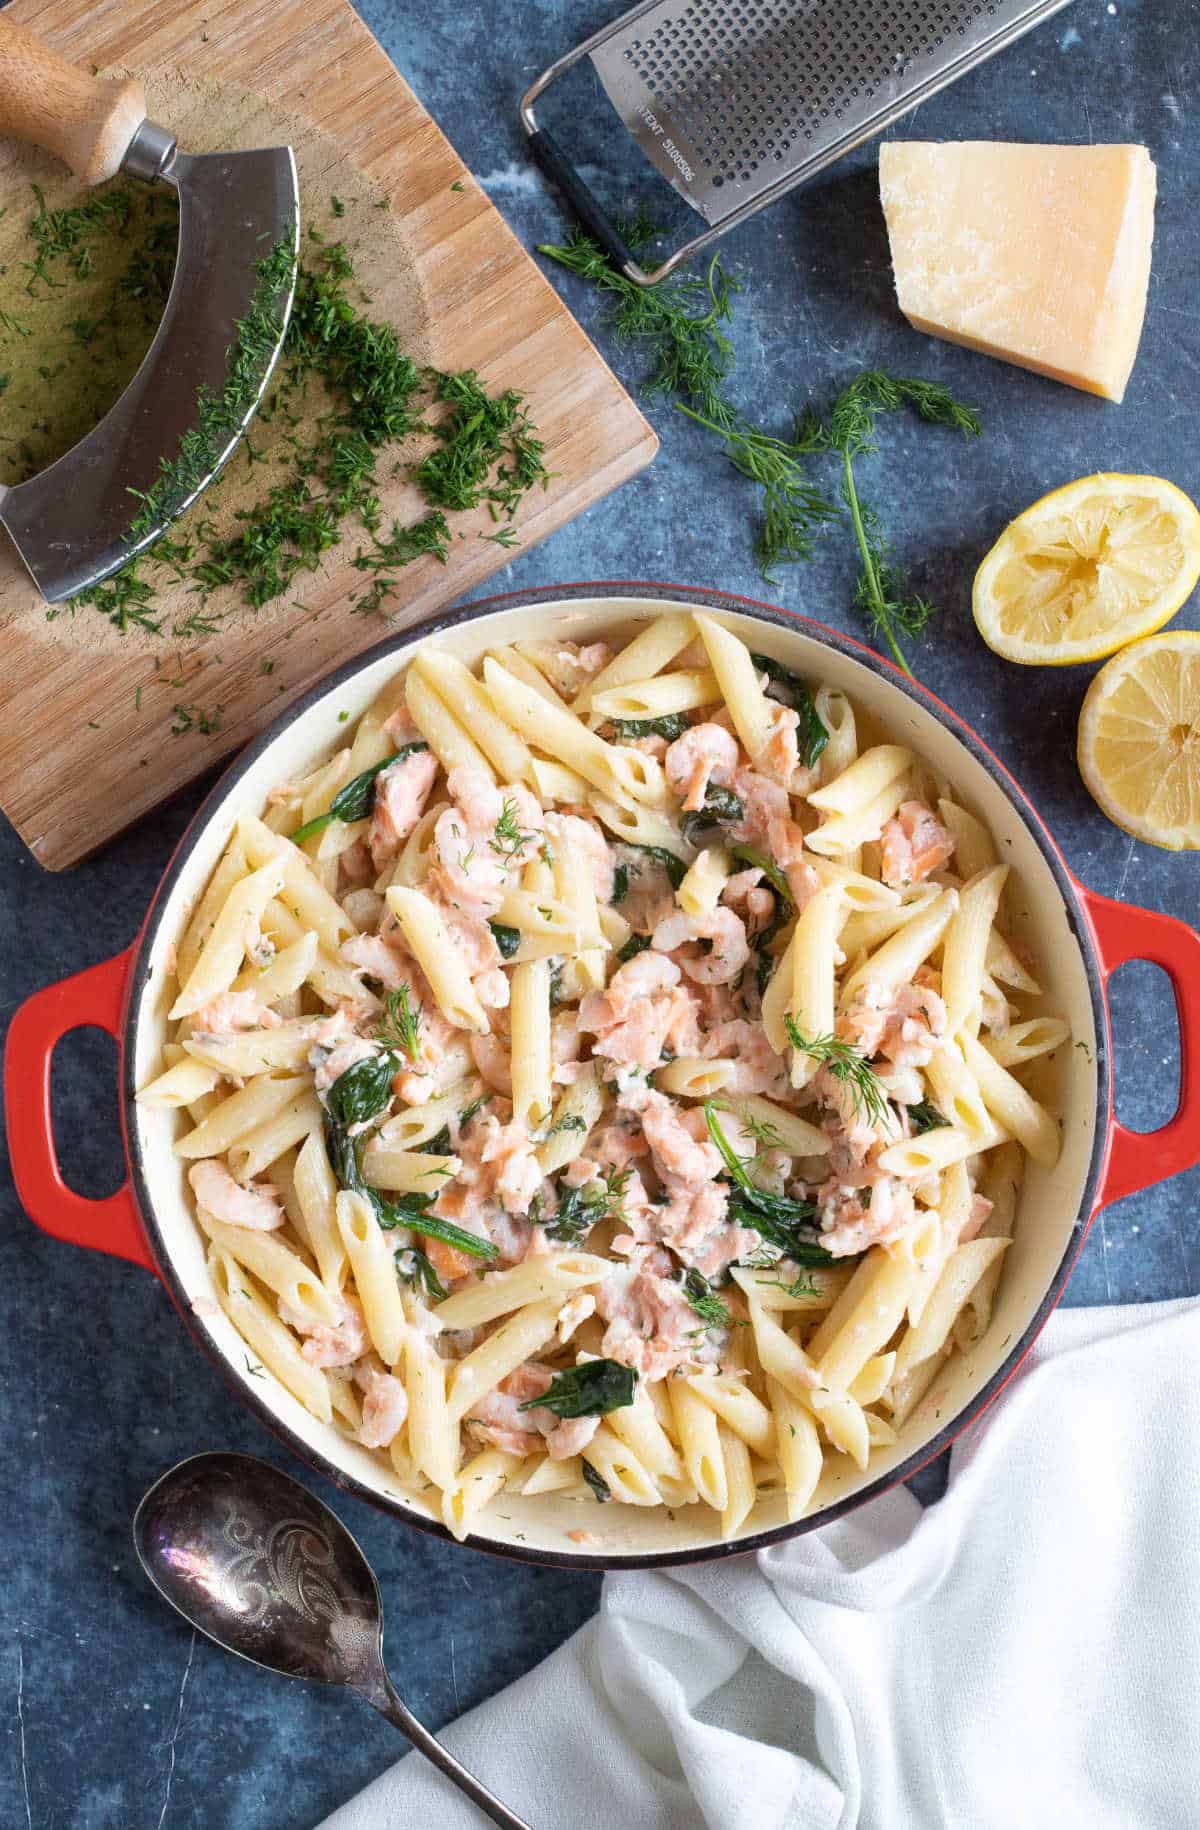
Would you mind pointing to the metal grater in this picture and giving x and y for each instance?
(735, 102)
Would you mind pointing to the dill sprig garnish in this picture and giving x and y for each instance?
(703, 1299)
(678, 322)
(400, 1025)
(507, 837)
(849, 1067)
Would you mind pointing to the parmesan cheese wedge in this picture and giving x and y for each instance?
(1039, 255)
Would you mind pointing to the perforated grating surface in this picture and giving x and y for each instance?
(727, 99)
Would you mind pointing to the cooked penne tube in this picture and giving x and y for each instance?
(699, 1439)
(275, 1265)
(737, 1406)
(223, 949)
(896, 961)
(463, 696)
(652, 649)
(254, 1052)
(256, 1150)
(501, 1353)
(973, 848)
(1023, 1042)
(474, 1487)
(680, 691)
(432, 1437)
(1017, 1111)
(181, 1083)
(840, 836)
(374, 1266)
(739, 1482)
(918, 1157)
(448, 738)
(798, 1447)
(407, 1172)
(813, 996)
(753, 714)
(301, 892)
(620, 1470)
(316, 1193)
(532, 1095)
(429, 940)
(609, 767)
(864, 780)
(966, 942)
(261, 1329)
(700, 891)
(577, 1111)
(689, 1077)
(291, 967)
(956, 1091)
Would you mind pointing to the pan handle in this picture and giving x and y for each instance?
(1123, 932)
(86, 121)
(92, 998)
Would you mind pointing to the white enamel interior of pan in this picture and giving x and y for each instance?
(1049, 1202)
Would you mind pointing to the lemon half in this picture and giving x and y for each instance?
(1088, 568)
(1139, 740)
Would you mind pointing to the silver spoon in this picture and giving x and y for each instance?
(252, 1559)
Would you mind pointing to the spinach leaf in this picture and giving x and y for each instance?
(356, 800)
(422, 1275)
(675, 867)
(671, 725)
(580, 1209)
(778, 1219)
(507, 939)
(721, 808)
(596, 1482)
(637, 943)
(811, 735)
(590, 1390)
(445, 1230)
(924, 1116)
(621, 875)
(363, 1090)
(438, 1144)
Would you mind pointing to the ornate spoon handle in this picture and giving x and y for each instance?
(382, 1695)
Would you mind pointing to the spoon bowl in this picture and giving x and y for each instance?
(259, 1565)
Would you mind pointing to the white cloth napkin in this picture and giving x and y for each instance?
(1023, 1655)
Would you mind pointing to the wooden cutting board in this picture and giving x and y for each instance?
(90, 735)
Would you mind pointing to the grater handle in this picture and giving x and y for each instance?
(591, 213)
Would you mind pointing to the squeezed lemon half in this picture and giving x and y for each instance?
(1088, 568)
(1139, 740)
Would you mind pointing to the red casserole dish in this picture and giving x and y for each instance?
(1080, 940)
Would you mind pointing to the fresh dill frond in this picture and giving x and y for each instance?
(849, 1067)
(795, 509)
(702, 1298)
(400, 1025)
(882, 592)
(678, 323)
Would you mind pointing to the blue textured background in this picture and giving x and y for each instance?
(112, 1715)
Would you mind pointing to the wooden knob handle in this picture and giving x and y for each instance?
(86, 121)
